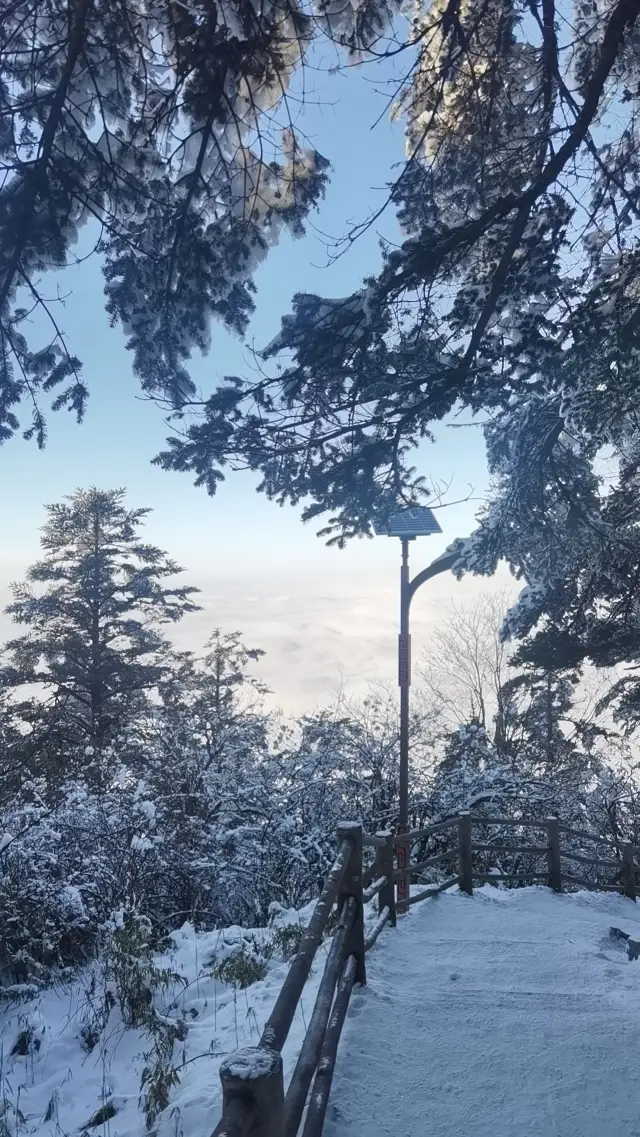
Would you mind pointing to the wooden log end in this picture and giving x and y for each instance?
(251, 1064)
(252, 1094)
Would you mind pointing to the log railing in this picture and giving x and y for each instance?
(553, 856)
(253, 1098)
(254, 1103)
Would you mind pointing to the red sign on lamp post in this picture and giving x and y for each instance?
(402, 857)
(404, 660)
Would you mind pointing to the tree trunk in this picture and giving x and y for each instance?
(95, 680)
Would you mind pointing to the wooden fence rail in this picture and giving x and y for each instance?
(254, 1103)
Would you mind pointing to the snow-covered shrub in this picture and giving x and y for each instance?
(132, 967)
(65, 873)
(287, 940)
(594, 791)
(46, 924)
(241, 969)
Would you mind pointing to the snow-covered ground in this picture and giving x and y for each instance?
(499, 1015)
(57, 1088)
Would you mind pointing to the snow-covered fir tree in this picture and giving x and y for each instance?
(542, 739)
(478, 302)
(93, 607)
(202, 753)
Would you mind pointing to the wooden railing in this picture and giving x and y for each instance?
(416, 837)
(254, 1103)
(253, 1098)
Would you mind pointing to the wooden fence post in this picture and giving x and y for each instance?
(252, 1094)
(628, 872)
(553, 854)
(384, 867)
(466, 855)
(352, 886)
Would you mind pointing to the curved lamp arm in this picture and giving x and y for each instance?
(443, 564)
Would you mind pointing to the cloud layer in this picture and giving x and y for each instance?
(322, 632)
(319, 630)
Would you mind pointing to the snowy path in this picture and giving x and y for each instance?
(511, 1013)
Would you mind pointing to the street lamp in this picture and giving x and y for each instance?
(407, 524)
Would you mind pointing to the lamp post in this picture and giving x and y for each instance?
(407, 524)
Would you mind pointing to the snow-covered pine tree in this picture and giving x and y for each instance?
(93, 607)
(483, 301)
(564, 514)
(468, 774)
(202, 752)
(161, 125)
(543, 742)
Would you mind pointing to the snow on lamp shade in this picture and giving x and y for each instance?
(415, 521)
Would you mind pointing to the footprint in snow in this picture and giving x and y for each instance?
(357, 1004)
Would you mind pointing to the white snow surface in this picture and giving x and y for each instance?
(504, 1014)
(499, 1015)
(63, 1082)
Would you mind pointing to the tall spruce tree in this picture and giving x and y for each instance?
(543, 743)
(93, 607)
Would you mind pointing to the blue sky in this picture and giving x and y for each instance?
(322, 615)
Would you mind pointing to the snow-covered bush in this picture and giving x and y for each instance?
(47, 922)
(210, 816)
